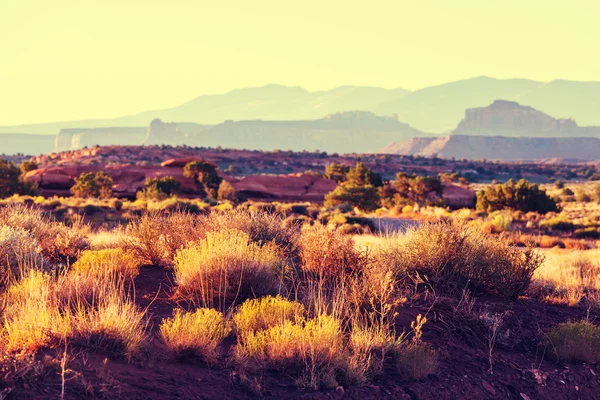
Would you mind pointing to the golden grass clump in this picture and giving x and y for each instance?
(114, 323)
(227, 266)
(106, 263)
(261, 227)
(576, 342)
(310, 348)
(156, 237)
(59, 243)
(36, 315)
(32, 316)
(453, 255)
(19, 251)
(326, 252)
(415, 359)
(106, 240)
(195, 333)
(259, 314)
(369, 346)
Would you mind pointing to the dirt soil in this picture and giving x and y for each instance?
(522, 366)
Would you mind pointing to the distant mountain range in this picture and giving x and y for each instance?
(433, 109)
(506, 130)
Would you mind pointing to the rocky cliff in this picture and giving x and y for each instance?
(499, 148)
(508, 118)
(72, 139)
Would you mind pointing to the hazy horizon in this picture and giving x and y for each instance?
(72, 60)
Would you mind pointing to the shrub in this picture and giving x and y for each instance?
(32, 318)
(261, 227)
(93, 184)
(11, 182)
(106, 263)
(19, 251)
(522, 196)
(227, 266)
(159, 188)
(415, 360)
(154, 238)
(310, 350)
(587, 233)
(326, 252)
(205, 174)
(35, 316)
(369, 346)
(364, 198)
(501, 223)
(415, 189)
(195, 333)
(453, 256)
(559, 223)
(59, 243)
(259, 314)
(228, 192)
(576, 342)
(114, 323)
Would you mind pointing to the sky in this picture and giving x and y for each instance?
(80, 59)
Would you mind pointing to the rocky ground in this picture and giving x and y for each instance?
(522, 365)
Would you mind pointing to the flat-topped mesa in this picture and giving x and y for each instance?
(509, 118)
(502, 148)
(160, 132)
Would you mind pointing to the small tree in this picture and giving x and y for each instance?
(228, 192)
(521, 196)
(93, 184)
(360, 175)
(205, 175)
(358, 190)
(159, 188)
(27, 166)
(336, 172)
(417, 189)
(365, 197)
(10, 180)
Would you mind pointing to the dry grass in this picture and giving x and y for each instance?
(227, 266)
(326, 252)
(261, 227)
(36, 315)
(32, 315)
(59, 243)
(451, 256)
(114, 323)
(19, 250)
(312, 348)
(195, 333)
(568, 276)
(260, 314)
(155, 237)
(106, 263)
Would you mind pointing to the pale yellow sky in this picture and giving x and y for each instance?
(76, 59)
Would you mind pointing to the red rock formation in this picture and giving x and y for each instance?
(293, 187)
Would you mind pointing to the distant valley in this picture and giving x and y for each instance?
(474, 118)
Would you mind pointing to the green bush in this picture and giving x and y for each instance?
(159, 188)
(576, 342)
(520, 196)
(558, 223)
(93, 184)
